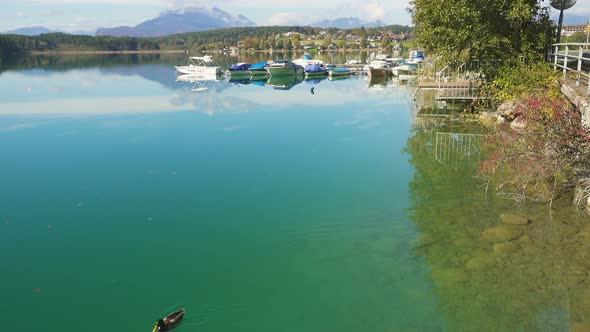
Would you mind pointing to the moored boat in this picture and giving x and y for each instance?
(284, 68)
(240, 70)
(200, 65)
(404, 69)
(379, 68)
(308, 60)
(259, 69)
(339, 72)
(416, 56)
(169, 322)
(315, 71)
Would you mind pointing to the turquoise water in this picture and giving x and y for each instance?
(126, 195)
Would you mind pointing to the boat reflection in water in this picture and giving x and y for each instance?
(284, 82)
(314, 81)
(378, 82)
(200, 82)
(239, 81)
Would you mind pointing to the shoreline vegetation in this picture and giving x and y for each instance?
(57, 52)
(537, 148)
(235, 40)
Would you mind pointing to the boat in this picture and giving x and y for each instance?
(169, 322)
(416, 56)
(199, 65)
(259, 69)
(404, 69)
(379, 68)
(284, 68)
(240, 70)
(339, 72)
(315, 71)
(308, 60)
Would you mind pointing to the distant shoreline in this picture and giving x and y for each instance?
(58, 52)
(105, 52)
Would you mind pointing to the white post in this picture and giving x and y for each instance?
(579, 73)
(555, 58)
(565, 62)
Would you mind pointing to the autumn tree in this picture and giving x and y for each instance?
(486, 30)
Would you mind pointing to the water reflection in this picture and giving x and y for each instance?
(495, 267)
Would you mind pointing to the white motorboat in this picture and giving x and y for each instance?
(378, 68)
(404, 69)
(307, 60)
(200, 66)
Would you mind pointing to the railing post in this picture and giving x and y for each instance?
(555, 58)
(579, 72)
(565, 62)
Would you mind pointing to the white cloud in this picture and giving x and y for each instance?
(373, 11)
(288, 18)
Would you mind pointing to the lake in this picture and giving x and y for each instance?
(293, 206)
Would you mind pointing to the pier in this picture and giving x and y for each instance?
(452, 84)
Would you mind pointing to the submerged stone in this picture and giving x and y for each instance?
(581, 327)
(501, 233)
(506, 248)
(481, 262)
(514, 219)
(575, 277)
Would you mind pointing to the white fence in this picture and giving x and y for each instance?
(574, 60)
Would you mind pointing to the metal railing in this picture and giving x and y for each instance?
(453, 149)
(574, 60)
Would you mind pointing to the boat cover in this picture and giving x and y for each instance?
(314, 68)
(258, 65)
(341, 70)
(241, 66)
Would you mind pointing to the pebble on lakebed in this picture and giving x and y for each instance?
(502, 233)
(481, 262)
(506, 248)
(514, 219)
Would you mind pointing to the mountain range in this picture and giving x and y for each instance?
(179, 21)
(35, 31)
(194, 19)
(347, 23)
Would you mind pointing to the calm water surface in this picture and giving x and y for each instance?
(126, 195)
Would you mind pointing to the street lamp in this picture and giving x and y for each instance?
(561, 5)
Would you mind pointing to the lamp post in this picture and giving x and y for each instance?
(561, 5)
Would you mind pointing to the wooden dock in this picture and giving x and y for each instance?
(453, 91)
(448, 85)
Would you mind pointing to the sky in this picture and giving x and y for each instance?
(87, 15)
